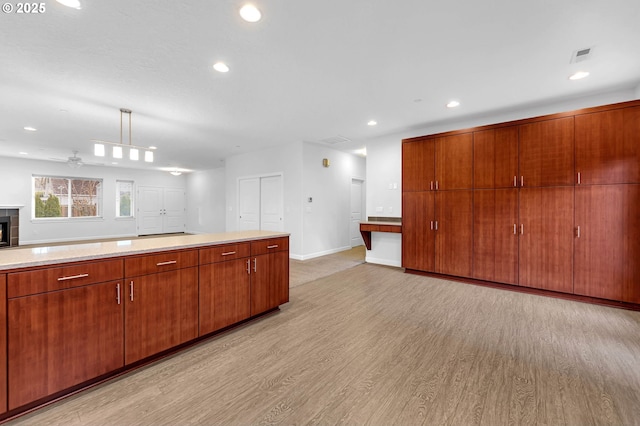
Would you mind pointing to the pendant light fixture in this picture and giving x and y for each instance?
(117, 149)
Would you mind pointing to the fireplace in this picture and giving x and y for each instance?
(5, 231)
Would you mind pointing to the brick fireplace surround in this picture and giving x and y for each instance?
(14, 213)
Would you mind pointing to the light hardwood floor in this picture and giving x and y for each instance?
(372, 345)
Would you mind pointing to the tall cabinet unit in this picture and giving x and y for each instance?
(548, 203)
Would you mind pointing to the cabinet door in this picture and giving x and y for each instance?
(61, 339)
(546, 240)
(547, 153)
(418, 162)
(454, 232)
(279, 278)
(454, 162)
(631, 284)
(3, 343)
(608, 147)
(599, 244)
(495, 158)
(418, 233)
(260, 301)
(161, 311)
(495, 239)
(269, 281)
(224, 294)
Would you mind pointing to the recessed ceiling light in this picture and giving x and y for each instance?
(30, 129)
(71, 3)
(153, 147)
(23, 153)
(372, 123)
(250, 13)
(579, 75)
(453, 104)
(221, 67)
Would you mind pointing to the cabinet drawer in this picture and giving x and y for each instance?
(52, 279)
(224, 252)
(269, 245)
(160, 262)
(369, 228)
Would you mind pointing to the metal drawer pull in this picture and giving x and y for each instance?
(228, 253)
(73, 277)
(169, 262)
(118, 293)
(273, 246)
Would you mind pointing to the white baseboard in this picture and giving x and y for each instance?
(317, 254)
(385, 262)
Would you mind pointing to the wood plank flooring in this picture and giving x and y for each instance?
(372, 345)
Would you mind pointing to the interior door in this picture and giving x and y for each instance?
(173, 210)
(150, 202)
(356, 212)
(271, 203)
(249, 208)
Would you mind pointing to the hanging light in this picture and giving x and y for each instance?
(118, 148)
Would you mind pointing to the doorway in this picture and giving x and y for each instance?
(357, 203)
(160, 210)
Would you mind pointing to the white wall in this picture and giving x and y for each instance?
(286, 159)
(384, 159)
(206, 201)
(327, 219)
(15, 175)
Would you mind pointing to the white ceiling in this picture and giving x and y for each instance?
(310, 70)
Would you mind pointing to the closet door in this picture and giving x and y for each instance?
(454, 232)
(418, 158)
(418, 233)
(546, 238)
(546, 153)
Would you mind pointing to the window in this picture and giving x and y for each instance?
(124, 198)
(66, 197)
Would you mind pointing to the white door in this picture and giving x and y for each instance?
(150, 205)
(173, 210)
(271, 203)
(249, 204)
(356, 211)
(160, 210)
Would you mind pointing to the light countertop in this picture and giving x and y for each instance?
(38, 256)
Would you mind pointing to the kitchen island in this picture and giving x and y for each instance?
(79, 314)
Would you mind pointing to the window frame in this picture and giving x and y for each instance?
(132, 197)
(97, 199)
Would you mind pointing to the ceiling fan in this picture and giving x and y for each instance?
(74, 161)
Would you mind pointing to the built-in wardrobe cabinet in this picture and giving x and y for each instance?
(553, 203)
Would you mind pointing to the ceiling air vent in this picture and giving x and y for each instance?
(581, 55)
(334, 140)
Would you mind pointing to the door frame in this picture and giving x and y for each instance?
(363, 204)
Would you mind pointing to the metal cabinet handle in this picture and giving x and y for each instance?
(118, 293)
(521, 229)
(169, 262)
(579, 181)
(515, 181)
(578, 231)
(431, 185)
(131, 291)
(436, 225)
(255, 264)
(521, 180)
(436, 185)
(228, 253)
(515, 232)
(73, 277)
(248, 266)
(273, 246)
(432, 225)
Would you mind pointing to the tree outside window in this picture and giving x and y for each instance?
(66, 197)
(124, 198)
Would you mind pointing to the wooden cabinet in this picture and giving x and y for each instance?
(418, 233)
(63, 338)
(453, 232)
(495, 158)
(546, 153)
(608, 147)
(225, 286)
(546, 238)
(495, 238)
(418, 165)
(161, 308)
(269, 274)
(454, 162)
(607, 245)
(3, 343)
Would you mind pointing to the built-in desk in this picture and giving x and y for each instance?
(366, 228)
